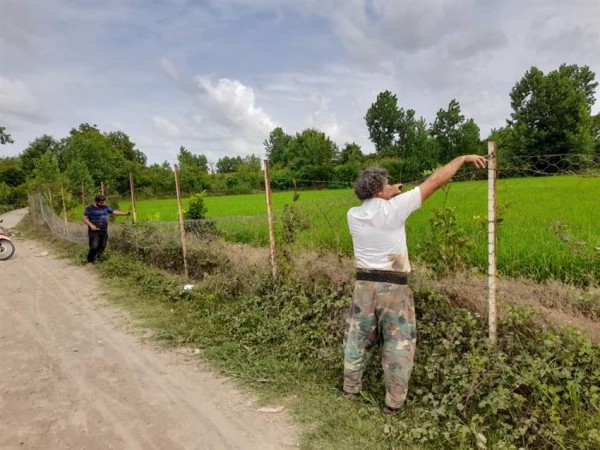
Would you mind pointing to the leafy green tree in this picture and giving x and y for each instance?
(396, 131)
(11, 171)
(5, 137)
(119, 141)
(382, 121)
(75, 174)
(36, 149)
(188, 160)
(312, 154)
(351, 153)
(277, 147)
(453, 134)
(89, 145)
(156, 180)
(193, 171)
(227, 164)
(552, 115)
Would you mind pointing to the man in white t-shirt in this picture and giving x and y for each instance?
(382, 304)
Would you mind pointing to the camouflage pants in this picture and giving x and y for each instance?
(381, 310)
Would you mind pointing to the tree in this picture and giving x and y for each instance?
(11, 171)
(188, 160)
(193, 171)
(311, 154)
(351, 153)
(5, 137)
(382, 120)
(395, 131)
(552, 116)
(227, 164)
(120, 141)
(276, 147)
(89, 145)
(453, 134)
(36, 149)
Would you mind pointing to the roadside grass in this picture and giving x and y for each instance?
(283, 339)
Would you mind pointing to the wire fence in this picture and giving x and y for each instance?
(547, 215)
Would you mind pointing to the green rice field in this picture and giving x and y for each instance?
(549, 227)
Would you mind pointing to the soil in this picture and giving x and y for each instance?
(74, 375)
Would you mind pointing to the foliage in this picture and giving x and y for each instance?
(453, 134)
(5, 137)
(552, 115)
(446, 246)
(196, 208)
(536, 390)
(11, 172)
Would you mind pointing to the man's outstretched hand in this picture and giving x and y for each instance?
(477, 160)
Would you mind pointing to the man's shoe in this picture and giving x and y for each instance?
(350, 396)
(390, 411)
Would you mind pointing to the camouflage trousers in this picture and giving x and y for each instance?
(381, 310)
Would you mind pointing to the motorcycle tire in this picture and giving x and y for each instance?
(7, 249)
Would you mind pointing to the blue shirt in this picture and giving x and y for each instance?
(98, 215)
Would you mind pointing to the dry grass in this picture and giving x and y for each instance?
(556, 304)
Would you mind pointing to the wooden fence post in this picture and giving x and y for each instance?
(271, 221)
(492, 176)
(181, 218)
(132, 197)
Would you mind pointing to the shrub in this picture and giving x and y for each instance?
(197, 208)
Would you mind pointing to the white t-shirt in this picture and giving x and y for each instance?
(378, 233)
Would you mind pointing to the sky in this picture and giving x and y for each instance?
(217, 76)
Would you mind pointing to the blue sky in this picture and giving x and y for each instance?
(216, 76)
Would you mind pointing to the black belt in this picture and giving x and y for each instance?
(382, 276)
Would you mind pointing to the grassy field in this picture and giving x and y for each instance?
(549, 226)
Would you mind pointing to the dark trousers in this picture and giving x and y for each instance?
(97, 241)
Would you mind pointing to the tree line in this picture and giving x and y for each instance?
(551, 120)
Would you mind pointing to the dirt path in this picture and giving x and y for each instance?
(70, 377)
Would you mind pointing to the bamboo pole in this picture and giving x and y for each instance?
(181, 225)
(492, 176)
(132, 197)
(270, 216)
(82, 195)
(102, 187)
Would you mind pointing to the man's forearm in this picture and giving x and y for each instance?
(444, 174)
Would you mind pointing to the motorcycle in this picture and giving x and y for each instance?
(7, 248)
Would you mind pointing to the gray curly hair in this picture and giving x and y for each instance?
(370, 182)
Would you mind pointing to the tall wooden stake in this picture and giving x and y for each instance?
(102, 187)
(181, 225)
(132, 197)
(270, 216)
(64, 209)
(492, 176)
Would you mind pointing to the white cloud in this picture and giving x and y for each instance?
(16, 98)
(235, 104)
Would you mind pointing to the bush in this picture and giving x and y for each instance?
(196, 209)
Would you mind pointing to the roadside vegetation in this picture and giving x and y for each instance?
(538, 389)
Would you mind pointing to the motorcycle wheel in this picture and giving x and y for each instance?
(7, 249)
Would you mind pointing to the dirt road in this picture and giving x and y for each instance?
(72, 377)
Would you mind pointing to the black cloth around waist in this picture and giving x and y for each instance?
(381, 276)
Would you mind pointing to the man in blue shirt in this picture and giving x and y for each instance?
(95, 217)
